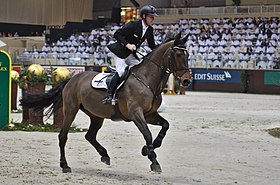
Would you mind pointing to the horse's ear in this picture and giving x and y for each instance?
(177, 39)
(184, 40)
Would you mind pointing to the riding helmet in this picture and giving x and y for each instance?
(148, 10)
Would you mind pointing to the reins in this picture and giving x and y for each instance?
(167, 69)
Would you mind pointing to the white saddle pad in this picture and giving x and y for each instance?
(99, 81)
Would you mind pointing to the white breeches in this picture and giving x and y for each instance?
(122, 63)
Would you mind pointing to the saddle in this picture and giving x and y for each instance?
(101, 80)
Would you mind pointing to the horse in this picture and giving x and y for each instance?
(138, 100)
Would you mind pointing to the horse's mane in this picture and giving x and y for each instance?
(169, 38)
(157, 48)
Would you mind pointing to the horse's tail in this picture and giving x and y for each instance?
(51, 99)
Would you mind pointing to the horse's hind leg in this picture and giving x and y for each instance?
(95, 124)
(69, 115)
(157, 120)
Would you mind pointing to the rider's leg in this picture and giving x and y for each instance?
(112, 88)
(121, 64)
(120, 67)
(132, 61)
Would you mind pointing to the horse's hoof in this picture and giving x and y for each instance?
(66, 170)
(105, 160)
(145, 151)
(156, 168)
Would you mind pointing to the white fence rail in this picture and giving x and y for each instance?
(221, 11)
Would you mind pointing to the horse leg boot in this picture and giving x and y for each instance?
(111, 89)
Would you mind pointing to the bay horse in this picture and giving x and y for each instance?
(138, 99)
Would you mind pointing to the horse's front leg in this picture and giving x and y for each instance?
(156, 119)
(140, 122)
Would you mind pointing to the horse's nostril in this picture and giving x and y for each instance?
(186, 82)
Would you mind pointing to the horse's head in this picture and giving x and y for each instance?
(178, 61)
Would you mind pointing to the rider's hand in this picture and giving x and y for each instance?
(131, 47)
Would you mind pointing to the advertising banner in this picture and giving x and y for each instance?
(272, 78)
(5, 92)
(73, 69)
(222, 76)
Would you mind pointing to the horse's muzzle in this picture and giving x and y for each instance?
(186, 82)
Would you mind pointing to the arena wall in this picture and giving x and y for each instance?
(254, 2)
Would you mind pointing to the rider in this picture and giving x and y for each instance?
(129, 38)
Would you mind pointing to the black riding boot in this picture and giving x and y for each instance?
(111, 89)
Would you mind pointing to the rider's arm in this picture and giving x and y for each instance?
(121, 34)
(151, 39)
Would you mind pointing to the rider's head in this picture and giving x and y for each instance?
(148, 13)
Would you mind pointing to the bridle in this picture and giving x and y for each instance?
(172, 67)
(166, 69)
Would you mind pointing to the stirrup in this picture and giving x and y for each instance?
(107, 100)
(114, 101)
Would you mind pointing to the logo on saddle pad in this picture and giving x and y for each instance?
(99, 81)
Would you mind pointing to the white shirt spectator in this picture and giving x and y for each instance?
(217, 64)
(72, 37)
(234, 49)
(54, 47)
(260, 49)
(211, 55)
(194, 49)
(81, 48)
(235, 42)
(271, 49)
(216, 20)
(64, 49)
(261, 65)
(45, 48)
(72, 49)
(26, 53)
(81, 37)
(75, 43)
(215, 49)
(243, 64)
(258, 42)
(274, 36)
(226, 36)
(203, 49)
(247, 43)
(59, 42)
(210, 42)
(201, 42)
(68, 43)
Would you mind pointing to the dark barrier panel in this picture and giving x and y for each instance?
(267, 82)
(216, 80)
(75, 27)
(22, 29)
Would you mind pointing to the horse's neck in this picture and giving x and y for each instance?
(151, 71)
